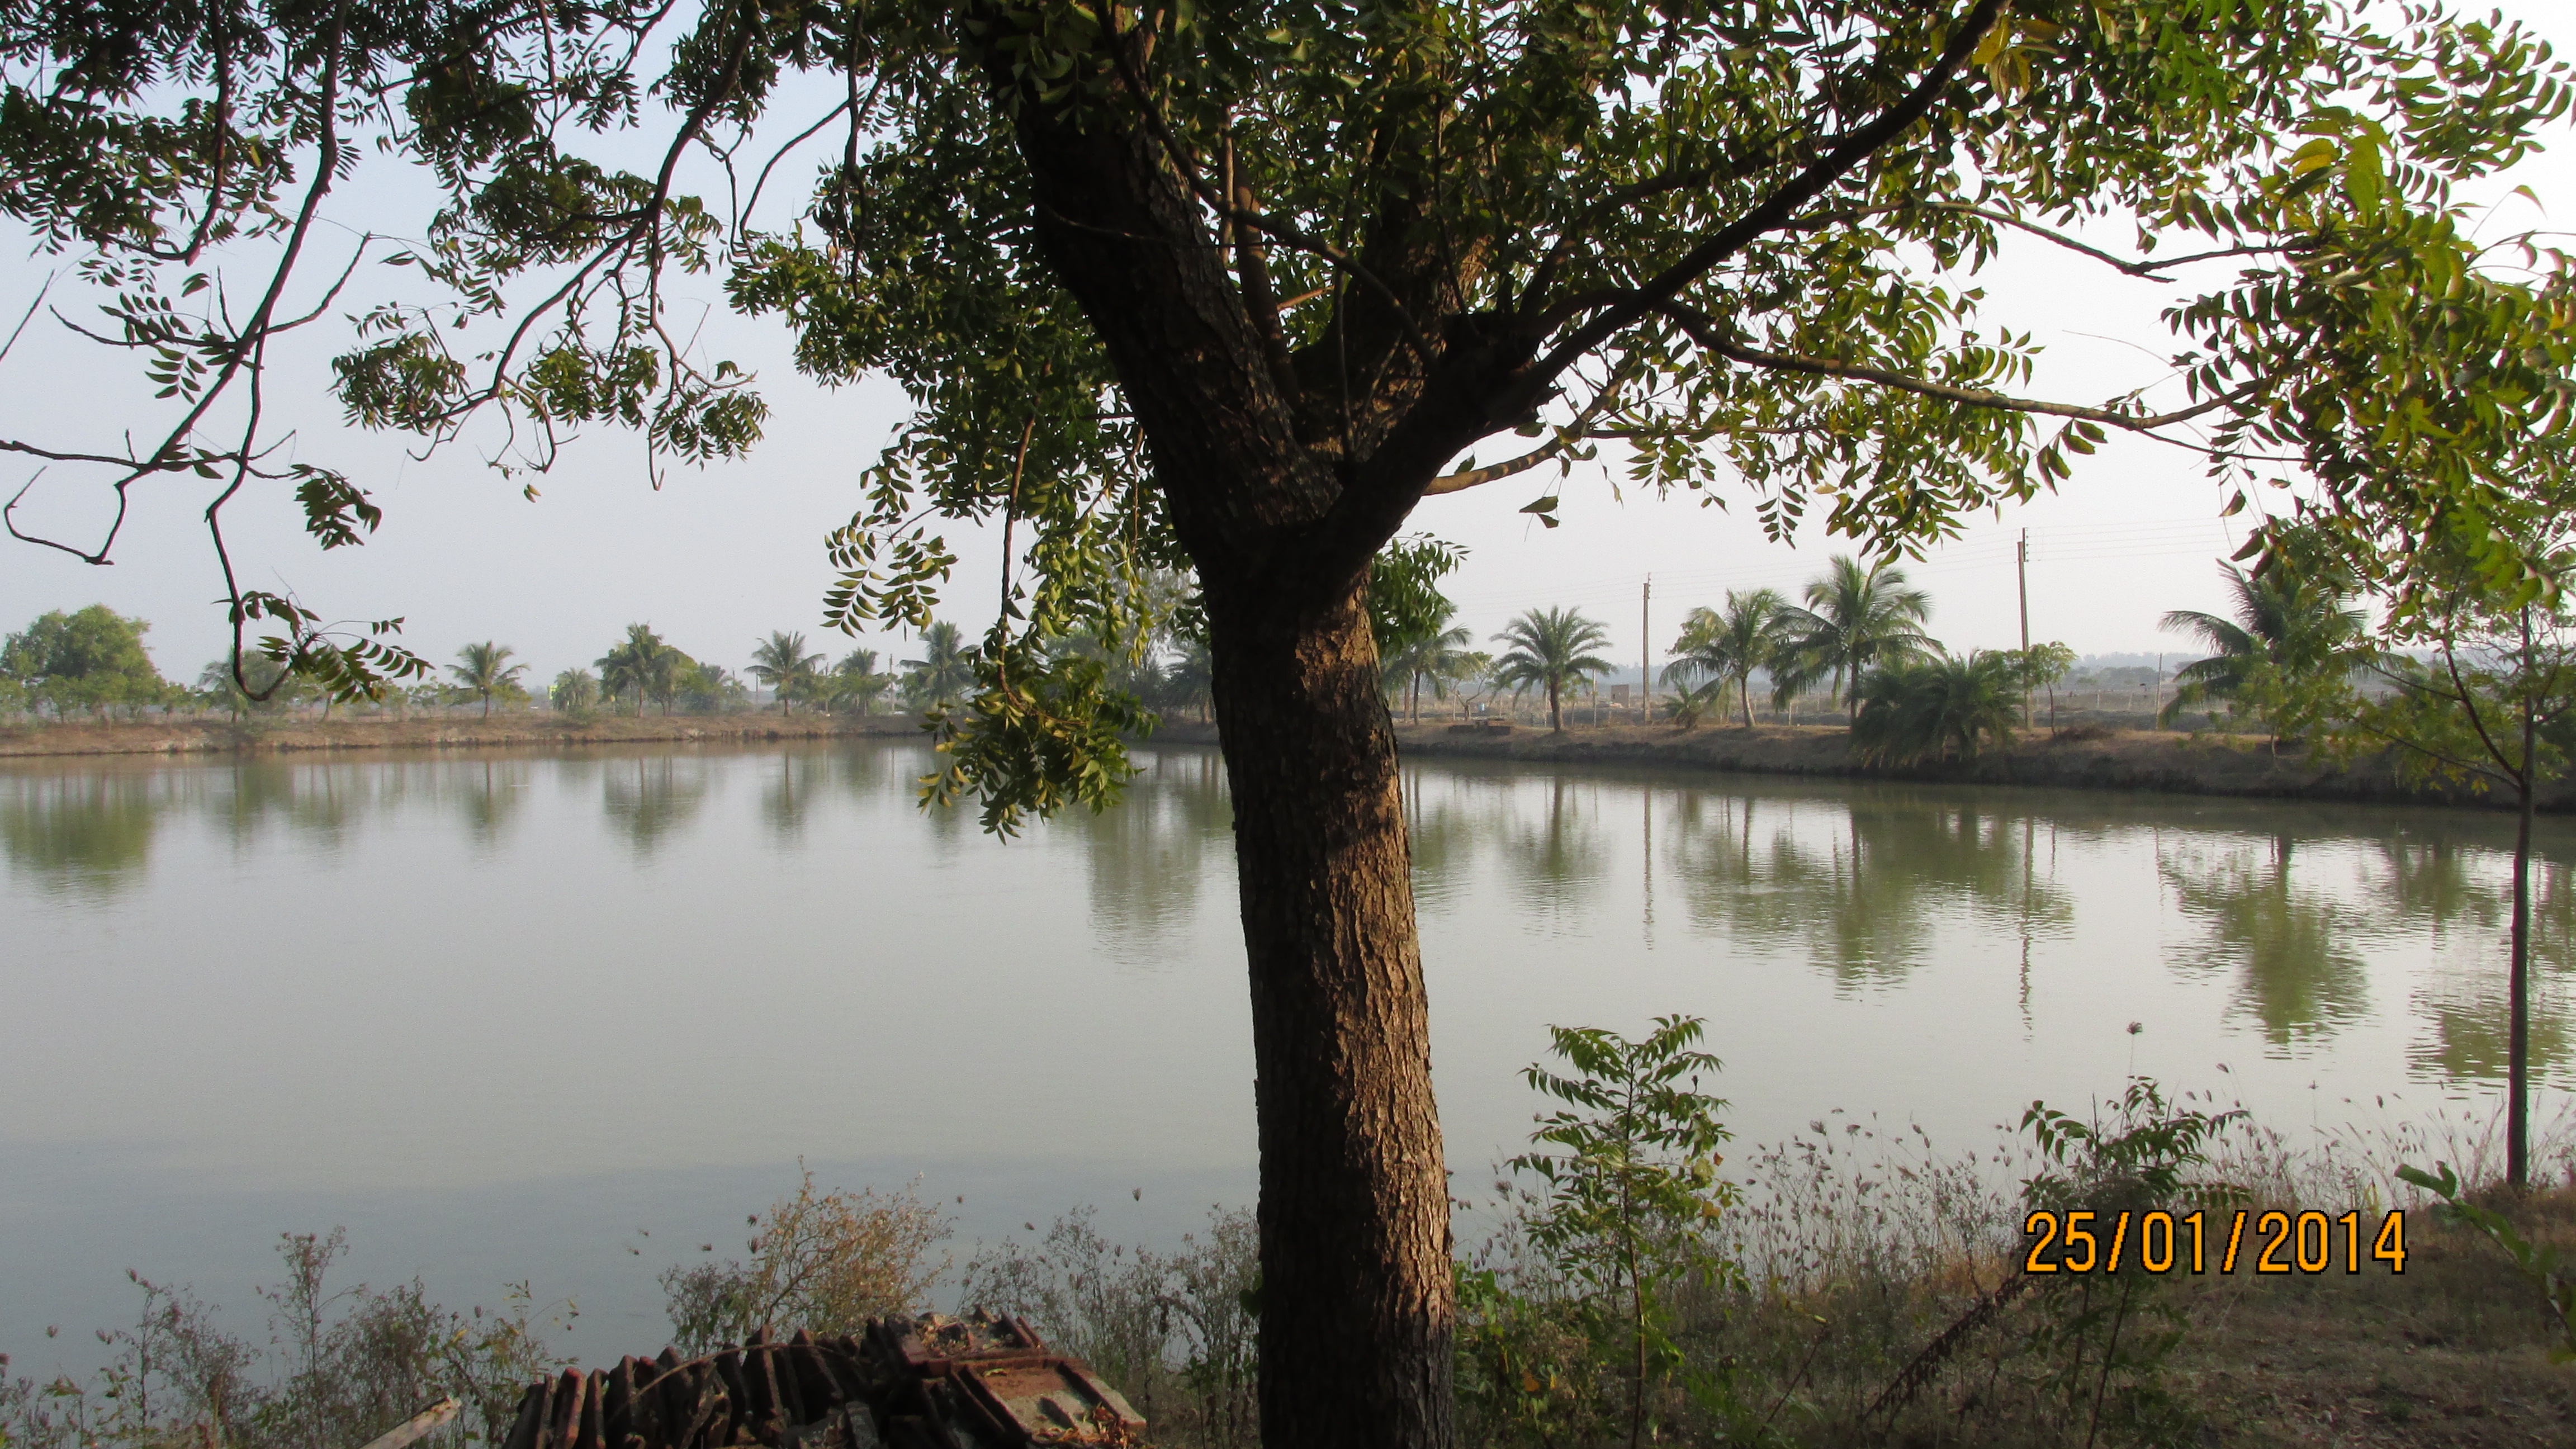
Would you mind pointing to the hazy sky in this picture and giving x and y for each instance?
(718, 558)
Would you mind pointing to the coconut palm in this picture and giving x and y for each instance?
(1855, 618)
(1919, 709)
(575, 691)
(855, 678)
(785, 667)
(486, 670)
(642, 665)
(1728, 646)
(2289, 622)
(944, 670)
(1550, 651)
(1436, 656)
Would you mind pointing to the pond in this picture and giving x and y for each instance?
(561, 1018)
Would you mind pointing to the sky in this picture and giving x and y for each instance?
(718, 558)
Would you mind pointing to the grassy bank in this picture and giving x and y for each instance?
(2089, 759)
(218, 736)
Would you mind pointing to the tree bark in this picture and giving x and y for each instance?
(2517, 1131)
(1356, 1297)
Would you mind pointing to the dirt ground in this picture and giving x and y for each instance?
(2452, 1353)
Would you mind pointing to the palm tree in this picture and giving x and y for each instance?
(575, 691)
(856, 677)
(1436, 656)
(1719, 647)
(2289, 622)
(641, 664)
(785, 667)
(944, 670)
(1549, 651)
(485, 669)
(1919, 709)
(1855, 618)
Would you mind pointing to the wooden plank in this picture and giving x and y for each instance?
(417, 1425)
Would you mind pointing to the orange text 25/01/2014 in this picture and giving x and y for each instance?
(2080, 1241)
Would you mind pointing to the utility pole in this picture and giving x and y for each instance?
(2021, 572)
(1646, 652)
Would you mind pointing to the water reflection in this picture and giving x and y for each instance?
(650, 798)
(2305, 923)
(89, 834)
(2291, 947)
(1557, 848)
(1146, 861)
(489, 795)
(1863, 890)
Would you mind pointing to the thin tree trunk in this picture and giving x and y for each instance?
(1357, 1312)
(2517, 1146)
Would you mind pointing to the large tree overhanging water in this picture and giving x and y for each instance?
(1249, 282)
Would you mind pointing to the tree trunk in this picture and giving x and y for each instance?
(1357, 1311)
(2517, 1130)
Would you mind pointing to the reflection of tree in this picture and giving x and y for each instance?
(1558, 856)
(1147, 854)
(649, 797)
(81, 833)
(2296, 971)
(1864, 896)
(2467, 1018)
(490, 793)
(319, 800)
(794, 781)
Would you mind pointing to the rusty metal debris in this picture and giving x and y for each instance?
(978, 1382)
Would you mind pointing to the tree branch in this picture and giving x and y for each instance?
(1703, 330)
(1781, 206)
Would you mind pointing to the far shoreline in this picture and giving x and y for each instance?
(2090, 758)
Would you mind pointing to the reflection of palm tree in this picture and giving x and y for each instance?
(2286, 620)
(650, 800)
(945, 669)
(785, 667)
(1733, 644)
(1551, 651)
(1854, 618)
(485, 669)
(1561, 857)
(1863, 896)
(2296, 971)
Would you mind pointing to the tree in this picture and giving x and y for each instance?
(486, 670)
(1550, 652)
(269, 685)
(1718, 647)
(643, 665)
(575, 692)
(1440, 658)
(1855, 617)
(1920, 709)
(785, 667)
(89, 659)
(945, 670)
(2296, 637)
(856, 678)
(1233, 289)
(2488, 708)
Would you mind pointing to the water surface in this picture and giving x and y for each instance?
(563, 1017)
